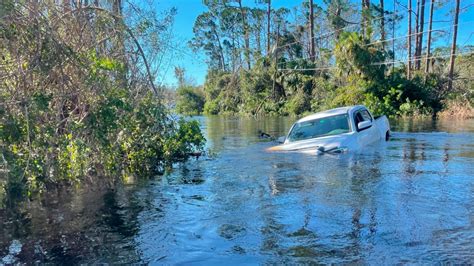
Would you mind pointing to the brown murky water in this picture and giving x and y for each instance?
(410, 200)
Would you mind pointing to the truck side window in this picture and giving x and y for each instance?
(365, 114)
(362, 115)
(357, 119)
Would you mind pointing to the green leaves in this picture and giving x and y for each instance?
(41, 101)
(108, 64)
(356, 55)
(104, 63)
(74, 97)
(190, 101)
(186, 139)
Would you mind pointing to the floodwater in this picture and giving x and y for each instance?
(410, 200)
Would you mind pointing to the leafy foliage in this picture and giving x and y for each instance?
(190, 101)
(78, 107)
(357, 79)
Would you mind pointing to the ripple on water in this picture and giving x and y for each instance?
(13, 250)
(231, 231)
(409, 200)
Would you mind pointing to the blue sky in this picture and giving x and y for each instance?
(195, 64)
(188, 10)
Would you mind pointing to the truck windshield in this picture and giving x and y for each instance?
(325, 126)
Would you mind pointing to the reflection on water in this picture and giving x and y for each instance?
(409, 200)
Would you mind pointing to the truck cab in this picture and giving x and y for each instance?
(339, 129)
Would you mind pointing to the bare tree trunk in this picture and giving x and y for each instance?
(338, 15)
(393, 35)
(409, 41)
(221, 52)
(420, 35)
(269, 11)
(428, 44)
(311, 30)
(246, 35)
(258, 39)
(365, 17)
(66, 5)
(276, 63)
(120, 43)
(363, 22)
(415, 35)
(453, 47)
(382, 24)
(233, 53)
(147, 66)
(100, 48)
(117, 11)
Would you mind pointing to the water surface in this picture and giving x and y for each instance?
(410, 200)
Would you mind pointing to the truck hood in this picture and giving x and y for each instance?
(327, 142)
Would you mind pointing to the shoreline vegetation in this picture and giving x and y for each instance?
(77, 98)
(345, 63)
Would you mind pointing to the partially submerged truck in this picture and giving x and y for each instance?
(335, 131)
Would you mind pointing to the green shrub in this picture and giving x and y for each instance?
(211, 107)
(298, 104)
(348, 95)
(190, 101)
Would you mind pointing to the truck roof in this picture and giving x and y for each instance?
(331, 112)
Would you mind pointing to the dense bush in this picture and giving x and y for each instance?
(190, 101)
(118, 136)
(71, 109)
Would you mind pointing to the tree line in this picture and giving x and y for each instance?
(265, 60)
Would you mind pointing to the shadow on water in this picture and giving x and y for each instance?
(409, 200)
(72, 225)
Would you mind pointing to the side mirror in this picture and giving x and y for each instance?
(281, 139)
(364, 125)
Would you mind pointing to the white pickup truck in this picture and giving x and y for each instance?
(335, 131)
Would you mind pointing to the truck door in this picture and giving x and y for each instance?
(365, 136)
